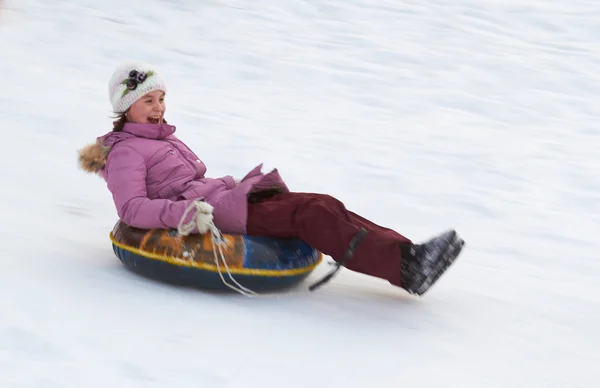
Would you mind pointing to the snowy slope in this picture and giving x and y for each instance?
(422, 115)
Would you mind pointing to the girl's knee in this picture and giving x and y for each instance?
(328, 201)
(316, 199)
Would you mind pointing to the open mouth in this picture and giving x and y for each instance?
(154, 119)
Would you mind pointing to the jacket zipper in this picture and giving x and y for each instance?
(180, 154)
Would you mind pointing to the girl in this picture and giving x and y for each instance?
(154, 178)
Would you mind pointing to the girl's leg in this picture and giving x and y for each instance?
(323, 222)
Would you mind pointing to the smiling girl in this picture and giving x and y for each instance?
(154, 178)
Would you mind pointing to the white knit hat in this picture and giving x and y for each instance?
(130, 81)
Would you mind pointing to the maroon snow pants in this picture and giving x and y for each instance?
(323, 222)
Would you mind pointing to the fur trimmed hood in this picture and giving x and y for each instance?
(92, 157)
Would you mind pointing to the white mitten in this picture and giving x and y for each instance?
(204, 216)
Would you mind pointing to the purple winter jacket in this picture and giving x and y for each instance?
(153, 177)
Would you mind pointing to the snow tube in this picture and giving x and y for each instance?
(257, 263)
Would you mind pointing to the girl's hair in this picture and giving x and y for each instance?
(120, 123)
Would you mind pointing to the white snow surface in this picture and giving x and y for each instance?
(420, 115)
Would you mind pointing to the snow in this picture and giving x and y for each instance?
(420, 115)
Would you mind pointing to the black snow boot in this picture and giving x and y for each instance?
(423, 264)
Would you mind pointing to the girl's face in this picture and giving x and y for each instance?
(150, 109)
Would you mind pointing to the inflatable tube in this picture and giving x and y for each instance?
(257, 263)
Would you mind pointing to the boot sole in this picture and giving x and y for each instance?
(448, 258)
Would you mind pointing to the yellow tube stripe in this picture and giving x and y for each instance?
(213, 268)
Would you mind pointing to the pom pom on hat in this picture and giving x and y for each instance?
(131, 81)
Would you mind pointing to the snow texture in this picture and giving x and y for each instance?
(421, 115)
